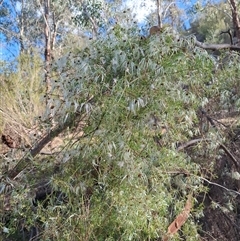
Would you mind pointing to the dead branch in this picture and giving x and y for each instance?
(229, 34)
(216, 46)
(22, 164)
(190, 143)
(218, 185)
(235, 161)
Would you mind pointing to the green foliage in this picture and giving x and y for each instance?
(124, 178)
(127, 159)
(210, 21)
(88, 11)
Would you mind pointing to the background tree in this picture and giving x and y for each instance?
(205, 26)
(235, 19)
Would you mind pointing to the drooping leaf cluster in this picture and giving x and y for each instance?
(86, 12)
(139, 97)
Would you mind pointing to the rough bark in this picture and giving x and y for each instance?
(235, 18)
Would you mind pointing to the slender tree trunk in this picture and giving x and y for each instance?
(47, 52)
(159, 13)
(21, 38)
(54, 34)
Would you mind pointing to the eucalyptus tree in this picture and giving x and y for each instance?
(17, 23)
(215, 22)
(37, 25)
(210, 21)
(23, 21)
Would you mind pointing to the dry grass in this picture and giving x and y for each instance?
(20, 103)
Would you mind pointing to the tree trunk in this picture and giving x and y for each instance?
(235, 19)
(21, 28)
(47, 52)
(159, 13)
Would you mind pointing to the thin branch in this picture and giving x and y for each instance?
(167, 8)
(95, 27)
(218, 185)
(6, 31)
(55, 28)
(229, 34)
(42, 12)
(211, 119)
(219, 122)
(202, 178)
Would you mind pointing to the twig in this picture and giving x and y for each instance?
(211, 119)
(202, 178)
(218, 185)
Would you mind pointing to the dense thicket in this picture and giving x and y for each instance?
(144, 122)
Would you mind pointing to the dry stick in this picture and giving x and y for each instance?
(230, 35)
(219, 122)
(190, 143)
(208, 118)
(218, 185)
(235, 161)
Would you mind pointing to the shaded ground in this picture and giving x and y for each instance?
(221, 219)
(222, 222)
